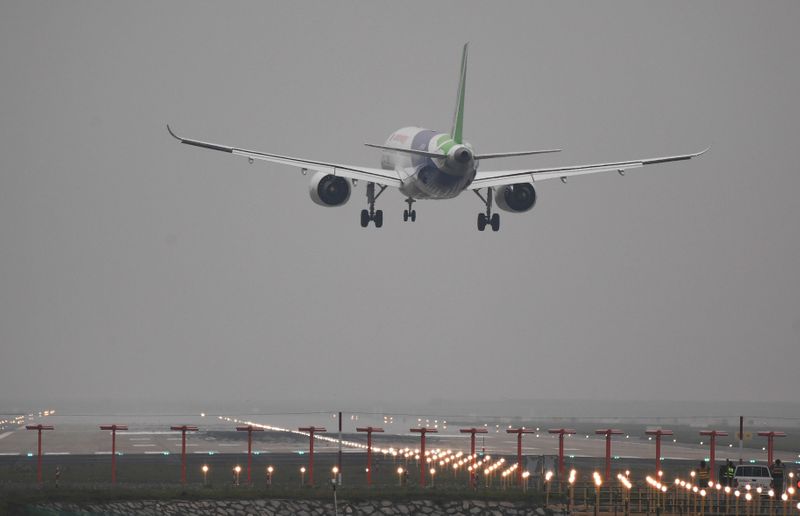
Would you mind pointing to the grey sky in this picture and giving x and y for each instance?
(134, 267)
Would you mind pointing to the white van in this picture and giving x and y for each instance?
(753, 476)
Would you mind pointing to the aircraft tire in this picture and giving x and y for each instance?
(378, 218)
(496, 222)
(364, 218)
(413, 215)
(405, 215)
(481, 221)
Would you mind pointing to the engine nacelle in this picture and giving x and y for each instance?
(329, 190)
(515, 198)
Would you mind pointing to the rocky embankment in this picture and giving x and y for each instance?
(300, 508)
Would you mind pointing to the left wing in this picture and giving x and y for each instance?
(508, 177)
(373, 175)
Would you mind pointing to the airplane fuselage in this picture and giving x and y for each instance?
(430, 178)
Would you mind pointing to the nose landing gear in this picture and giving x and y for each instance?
(487, 218)
(409, 213)
(372, 214)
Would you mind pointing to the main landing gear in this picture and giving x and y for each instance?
(492, 220)
(372, 214)
(409, 213)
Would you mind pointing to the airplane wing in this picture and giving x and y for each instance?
(374, 175)
(508, 177)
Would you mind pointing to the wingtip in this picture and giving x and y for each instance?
(173, 134)
(703, 151)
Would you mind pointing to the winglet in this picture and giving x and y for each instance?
(458, 116)
(701, 152)
(173, 134)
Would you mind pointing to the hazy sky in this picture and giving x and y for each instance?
(132, 267)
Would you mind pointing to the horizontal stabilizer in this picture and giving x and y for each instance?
(427, 154)
(510, 154)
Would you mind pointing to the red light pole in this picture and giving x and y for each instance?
(713, 434)
(608, 432)
(183, 429)
(422, 462)
(113, 429)
(39, 428)
(369, 430)
(311, 431)
(519, 432)
(249, 429)
(561, 433)
(472, 431)
(770, 441)
(658, 433)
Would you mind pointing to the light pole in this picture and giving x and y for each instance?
(658, 433)
(713, 438)
(770, 441)
(598, 481)
(236, 471)
(113, 429)
(270, 470)
(311, 431)
(572, 475)
(369, 430)
(205, 475)
(183, 429)
(39, 429)
(422, 431)
(249, 429)
(608, 432)
(519, 432)
(302, 475)
(561, 433)
(433, 476)
(472, 431)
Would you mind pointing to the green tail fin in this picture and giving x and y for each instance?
(458, 116)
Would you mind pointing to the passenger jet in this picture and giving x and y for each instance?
(426, 164)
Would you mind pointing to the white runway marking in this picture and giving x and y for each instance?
(143, 445)
(150, 452)
(230, 444)
(57, 453)
(210, 452)
(187, 444)
(5, 434)
(9, 453)
(102, 453)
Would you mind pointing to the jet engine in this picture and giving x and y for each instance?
(515, 198)
(329, 190)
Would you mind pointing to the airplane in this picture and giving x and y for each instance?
(426, 164)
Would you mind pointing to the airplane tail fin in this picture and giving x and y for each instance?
(458, 116)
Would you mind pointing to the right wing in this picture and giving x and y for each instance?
(373, 175)
(508, 177)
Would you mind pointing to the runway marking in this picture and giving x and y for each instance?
(5, 434)
(57, 453)
(150, 452)
(187, 444)
(102, 453)
(173, 438)
(230, 444)
(205, 452)
(143, 445)
(9, 454)
(140, 439)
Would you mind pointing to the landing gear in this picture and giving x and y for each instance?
(409, 213)
(488, 218)
(372, 214)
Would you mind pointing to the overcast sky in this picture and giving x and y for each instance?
(132, 267)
